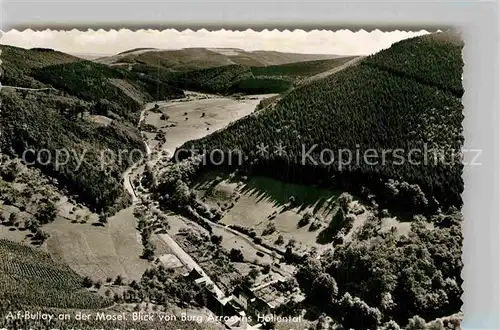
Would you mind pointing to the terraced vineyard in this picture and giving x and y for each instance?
(31, 277)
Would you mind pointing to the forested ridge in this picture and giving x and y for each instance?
(225, 80)
(366, 108)
(91, 82)
(60, 119)
(35, 121)
(18, 63)
(434, 59)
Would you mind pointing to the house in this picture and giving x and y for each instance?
(249, 301)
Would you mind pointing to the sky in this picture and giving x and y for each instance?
(341, 42)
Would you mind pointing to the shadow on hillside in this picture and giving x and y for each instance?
(285, 196)
(328, 235)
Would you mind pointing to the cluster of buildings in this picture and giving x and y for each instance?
(245, 307)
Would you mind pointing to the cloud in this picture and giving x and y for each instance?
(341, 42)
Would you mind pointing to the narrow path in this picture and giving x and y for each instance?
(29, 89)
(333, 71)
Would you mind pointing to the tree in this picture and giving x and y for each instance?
(102, 107)
(216, 239)
(416, 323)
(87, 282)
(324, 288)
(41, 235)
(118, 280)
(291, 243)
(307, 273)
(391, 325)
(344, 200)
(97, 284)
(356, 314)
(304, 221)
(436, 325)
(254, 273)
(236, 255)
(148, 252)
(46, 213)
(13, 218)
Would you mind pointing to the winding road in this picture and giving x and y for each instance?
(184, 257)
(177, 250)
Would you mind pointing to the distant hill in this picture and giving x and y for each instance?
(18, 64)
(234, 78)
(178, 60)
(88, 56)
(404, 97)
(265, 57)
(201, 58)
(135, 50)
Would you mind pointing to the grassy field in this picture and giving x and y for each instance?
(194, 119)
(75, 235)
(99, 251)
(261, 203)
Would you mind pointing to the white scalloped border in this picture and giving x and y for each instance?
(208, 29)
